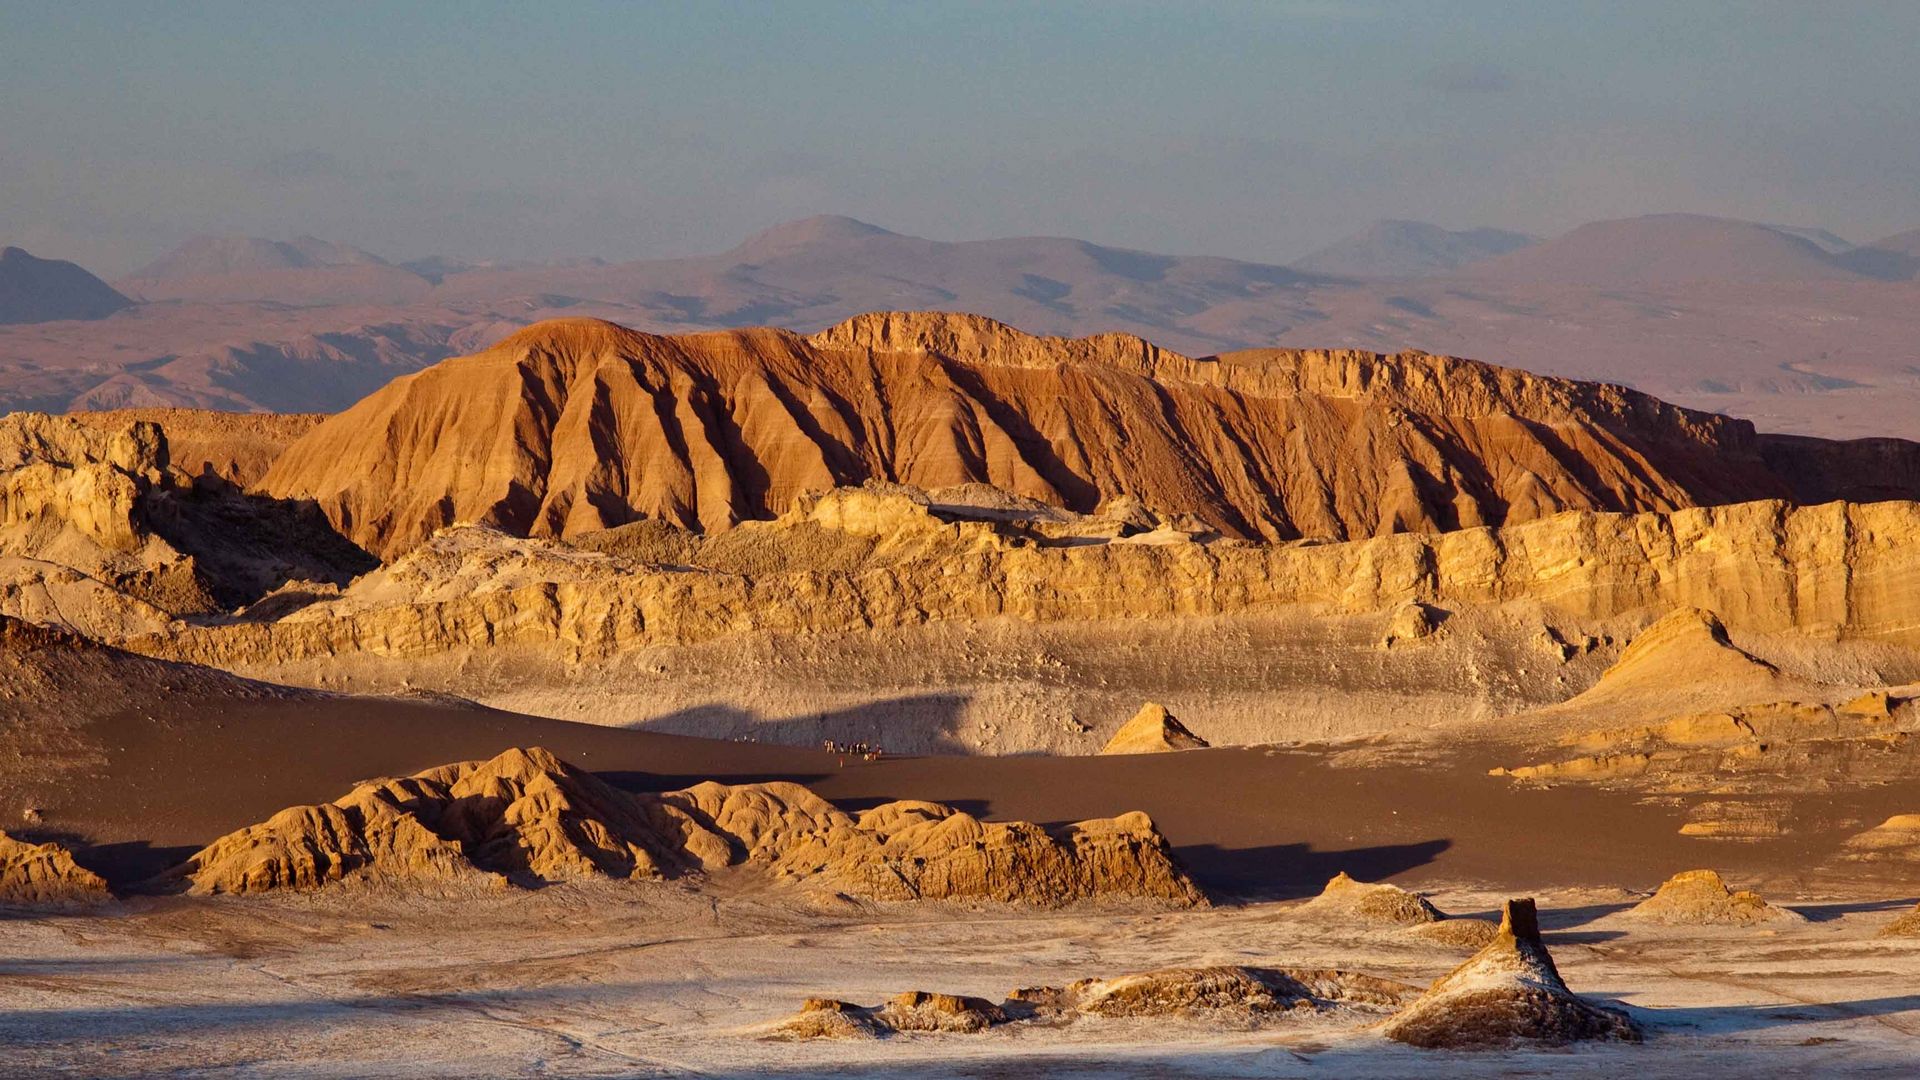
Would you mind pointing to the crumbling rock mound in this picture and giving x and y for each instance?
(1907, 925)
(572, 426)
(1373, 904)
(1509, 992)
(528, 817)
(1153, 730)
(829, 1018)
(918, 1010)
(1702, 898)
(99, 536)
(1224, 995)
(1457, 933)
(1896, 839)
(1685, 647)
(42, 874)
(1411, 622)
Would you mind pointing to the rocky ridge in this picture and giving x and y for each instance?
(526, 817)
(1231, 996)
(573, 426)
(858, 560)
(41, 874)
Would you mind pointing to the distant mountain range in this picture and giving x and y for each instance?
(1785, 324)
(1405, 249)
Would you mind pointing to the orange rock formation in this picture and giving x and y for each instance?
(576, 425)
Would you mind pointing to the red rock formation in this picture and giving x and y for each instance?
(577, 425)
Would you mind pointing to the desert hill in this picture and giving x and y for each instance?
(206, 256)
(574, 426)
(34, 290)
(304, 271)
(1405, 249)
(1896, 258)
(1666, 250)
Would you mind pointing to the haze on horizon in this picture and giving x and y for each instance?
(626, 131)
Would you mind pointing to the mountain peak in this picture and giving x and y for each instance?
(807, 232)
(33, 290)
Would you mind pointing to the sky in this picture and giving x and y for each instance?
(637, 130)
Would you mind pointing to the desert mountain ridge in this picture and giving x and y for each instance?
(577, 425)
(1740, 318)
(1405, 249)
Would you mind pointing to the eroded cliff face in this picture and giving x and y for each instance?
(100, 534)
(858, 560)
(574, 426)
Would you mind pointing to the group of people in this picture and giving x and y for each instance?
(863, 750)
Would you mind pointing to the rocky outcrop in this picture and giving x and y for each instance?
(45, 874)
(1413, 621)
(1905, 925)
(1895, 840)
(1701, 898)
(232, 446)
(1225, 995)
(527, 817)
(573, 426)
(1828, 571)
(1509, 993)
(1347, 900)
(1153, 730)
(97, 535)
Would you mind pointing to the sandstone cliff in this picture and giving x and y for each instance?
(525, 816)
(99, 535)
(576, 425)
(236, 447)
(858, 560)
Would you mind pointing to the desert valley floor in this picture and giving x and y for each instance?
(924, 696)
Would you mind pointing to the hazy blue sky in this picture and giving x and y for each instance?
(628, 130)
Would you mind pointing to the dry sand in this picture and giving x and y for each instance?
(180, 772)
(659, 981)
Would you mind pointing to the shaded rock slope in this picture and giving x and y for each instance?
(572, 426)
(35, 290)
(100, 535)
